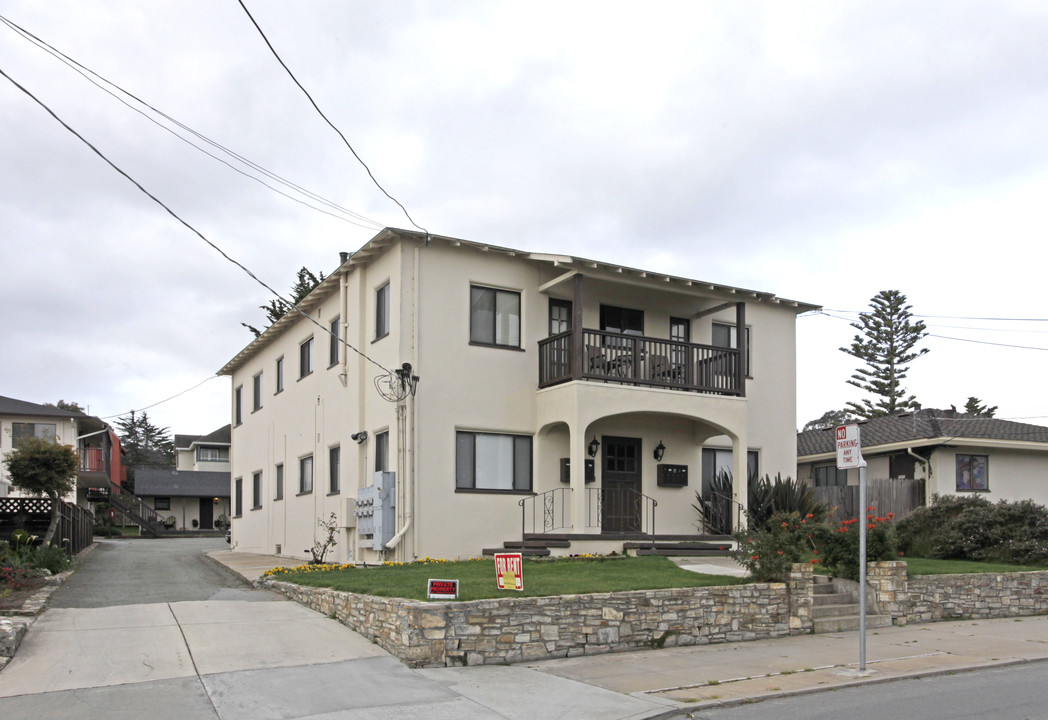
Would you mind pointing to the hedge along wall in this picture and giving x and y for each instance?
(928, 598)
(510, 630)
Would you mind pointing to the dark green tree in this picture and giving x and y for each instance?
(276, 308)
(146, 444)
(70, 406)
(44, 468)
(975, 407)
(830, 418)
(886, 343)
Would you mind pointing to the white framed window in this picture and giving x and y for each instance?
(305, 358)
(494, 462)
(334, 347)
(279, 481)
(280, 375)
(256, 490)
(212, 454)
(334, 468)
(256, 392)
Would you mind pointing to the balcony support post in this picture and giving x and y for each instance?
(740, 333)
(577, 350)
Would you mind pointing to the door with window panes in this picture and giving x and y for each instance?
(620, 484)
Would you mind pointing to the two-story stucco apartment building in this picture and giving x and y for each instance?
(528, 365)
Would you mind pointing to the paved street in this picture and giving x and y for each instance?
(152, 628)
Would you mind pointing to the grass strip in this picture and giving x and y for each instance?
(542, 577)
(932, 566)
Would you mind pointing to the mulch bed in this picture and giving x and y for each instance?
(13, 600)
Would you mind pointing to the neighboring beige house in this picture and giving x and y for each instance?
(207, 453)
(530, 364)
(955, 453)
(188, 499)
(94, 440)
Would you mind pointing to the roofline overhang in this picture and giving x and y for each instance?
(571, 264)
(996, 443)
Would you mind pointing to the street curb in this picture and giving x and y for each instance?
(686, 710)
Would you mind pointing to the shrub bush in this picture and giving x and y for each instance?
(973, 528)
(768, 551)
(838, 545)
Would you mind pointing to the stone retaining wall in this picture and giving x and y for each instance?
(928, 598)
(510, 630)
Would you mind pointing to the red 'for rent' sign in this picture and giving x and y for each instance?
(509, 571)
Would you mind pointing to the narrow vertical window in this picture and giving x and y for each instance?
(280, 375)
(381, 451)
(238, 497)
(256, 490)
(305, 475)
(335, 342)
(382, 311)
(559, 316)
(334, 458)
(256, 392)
(305, 358)
(279, 479)
(238, 413)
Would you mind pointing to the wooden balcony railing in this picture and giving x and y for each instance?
(638, 360)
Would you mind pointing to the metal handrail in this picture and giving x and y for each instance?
(636, 498)
(553, 504)
(134, 508)
(723, 520)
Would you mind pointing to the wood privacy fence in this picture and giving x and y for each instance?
(899, 497)
(75, 527)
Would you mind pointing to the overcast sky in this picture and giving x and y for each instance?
(822, 151)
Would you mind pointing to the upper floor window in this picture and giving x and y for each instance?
(680, 329)
(256, 392)
(725, 335)
(238, 412)
(212, 454)
(494, 317)
(382, 311)
(559, 316)
(280, 375)
(238, 497)
(621, 320)
(279, 481)
(21, 431)
(973, 473)
(333, 348)
(486, 461)
(305, 358)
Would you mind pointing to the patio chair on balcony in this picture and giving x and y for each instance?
(660, 368)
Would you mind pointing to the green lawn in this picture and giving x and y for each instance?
(542, 577)
(929, 566)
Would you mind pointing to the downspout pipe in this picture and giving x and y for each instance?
(395, 540)
(926, 462)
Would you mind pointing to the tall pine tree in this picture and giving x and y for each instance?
(886, 343)
(146, 444)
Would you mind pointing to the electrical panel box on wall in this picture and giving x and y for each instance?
(375, 510)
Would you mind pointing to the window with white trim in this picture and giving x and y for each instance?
(489, 461)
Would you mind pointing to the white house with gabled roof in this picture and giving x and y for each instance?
(478, 378)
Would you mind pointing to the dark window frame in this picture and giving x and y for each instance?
(305, 480)
(972, 463)
(280, 375)
(305, 357)
(820, 476)
(479, 335)
(278, 481)
(161, 503)
(22, 430)
(558, 325)
(256, 392)
(335, 345)
(382, 313)
(521, 463)
(238, 497)
(732, 331)
(382, 451)
(334, 469)
(256, 490)
(238, 405)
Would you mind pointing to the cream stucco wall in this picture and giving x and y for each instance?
(65, 433)
(1012, 473)
(483, 389)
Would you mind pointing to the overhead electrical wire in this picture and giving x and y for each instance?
(160, 402)
(947, 337)
(325, 118)
(192, 229)
(86, 73)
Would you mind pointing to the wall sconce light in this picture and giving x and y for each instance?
(216, 501)
(594, 446)
(660, 450)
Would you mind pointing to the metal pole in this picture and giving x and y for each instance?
(862, 567)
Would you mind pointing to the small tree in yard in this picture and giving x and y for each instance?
(885, 344)
(44, 468)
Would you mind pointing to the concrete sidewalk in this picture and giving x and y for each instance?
(686, 678)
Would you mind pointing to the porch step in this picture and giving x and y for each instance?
(682, 549)
(832, 598)
(535, 542)
(842, 623)
(527, 551)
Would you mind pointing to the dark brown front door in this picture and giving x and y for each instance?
(207, 514)
(620, 484)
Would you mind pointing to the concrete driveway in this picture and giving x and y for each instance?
(238, 653)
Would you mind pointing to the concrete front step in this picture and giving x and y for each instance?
(825, 611)
(526, 551)
(849, 622)
(831, 598)
(679, 552)
(535, 542)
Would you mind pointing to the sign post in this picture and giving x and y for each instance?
(849, 455)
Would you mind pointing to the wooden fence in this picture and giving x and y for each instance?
(898, 497)
(75, 528)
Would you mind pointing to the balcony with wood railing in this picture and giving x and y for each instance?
(597, 355)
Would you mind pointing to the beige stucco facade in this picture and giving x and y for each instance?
(482, 392)
(65, 432)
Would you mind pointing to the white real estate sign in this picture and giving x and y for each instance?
(849, 449)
